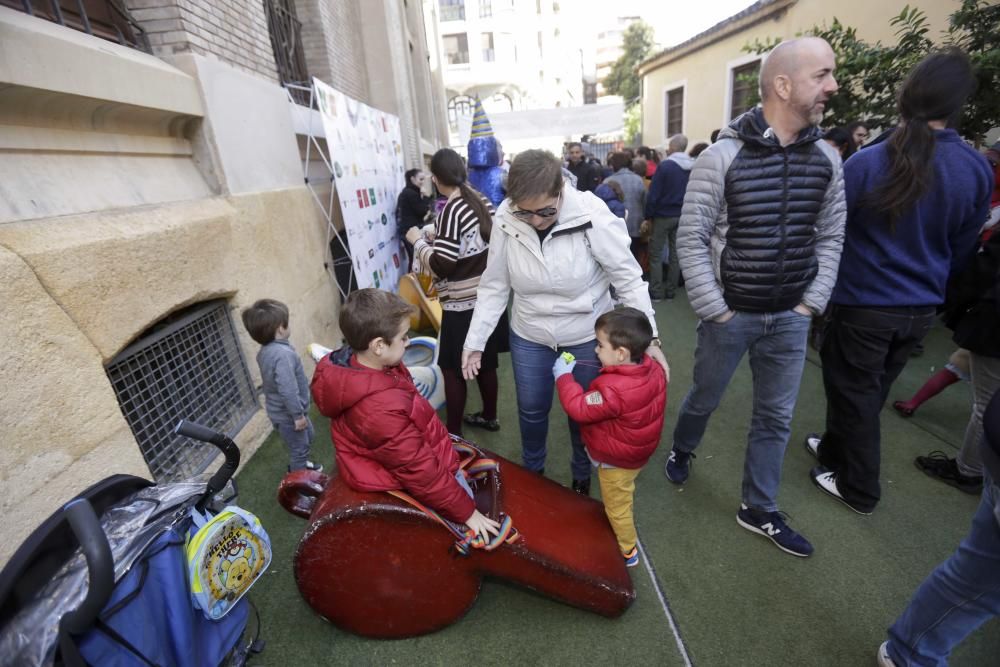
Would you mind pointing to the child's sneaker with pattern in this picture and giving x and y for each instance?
(632, 557)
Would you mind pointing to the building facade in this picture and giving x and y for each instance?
(151, 187)
(512, 54)
(702, 84)
(609, 50)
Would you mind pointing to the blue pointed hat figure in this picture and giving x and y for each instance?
(485, 156)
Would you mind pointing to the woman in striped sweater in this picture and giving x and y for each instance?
(457, 257)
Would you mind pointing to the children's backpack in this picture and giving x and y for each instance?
(225, 557)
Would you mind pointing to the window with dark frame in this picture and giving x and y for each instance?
(675, 111)
(452, 10)
(460, 105)
(744, 80)
(105, 19)
(456, 48)
(187, 366)
(285, 30)
(487, 45)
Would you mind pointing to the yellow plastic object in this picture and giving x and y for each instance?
(428, 308)
(568, 357)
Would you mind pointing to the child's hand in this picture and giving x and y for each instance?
(482, 525)
(301, 423)
(564, 364)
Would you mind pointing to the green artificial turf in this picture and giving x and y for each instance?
(736, 599)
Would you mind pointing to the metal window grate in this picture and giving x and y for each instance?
(189, 366)
(107, 19)
(285, 30)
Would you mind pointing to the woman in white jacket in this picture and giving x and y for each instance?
(558, 250)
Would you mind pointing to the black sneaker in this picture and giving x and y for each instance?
(582, 486)
(477, 419)
(772, 526)
(939, 466)
(678, 466)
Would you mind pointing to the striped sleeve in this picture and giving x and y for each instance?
(452, 222)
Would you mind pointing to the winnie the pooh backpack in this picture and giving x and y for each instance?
(225, 556)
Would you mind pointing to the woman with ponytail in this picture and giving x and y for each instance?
(457, 257)
(915, 203)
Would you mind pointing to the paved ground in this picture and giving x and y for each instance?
(728, 596)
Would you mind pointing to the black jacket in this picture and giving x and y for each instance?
(411, 207)
(972, 308)
(588, 174)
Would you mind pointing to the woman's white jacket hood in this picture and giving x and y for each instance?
(560, 285)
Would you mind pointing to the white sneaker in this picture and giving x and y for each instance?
(826, 481)
(812, 444)
(883, 656)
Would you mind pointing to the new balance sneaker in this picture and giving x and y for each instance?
(939, 466)
(678, 466)
(632, 557)
(812, 444)
(884, 660)
(772, 526)
(826, 481)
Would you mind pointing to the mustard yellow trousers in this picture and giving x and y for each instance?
(618, 490)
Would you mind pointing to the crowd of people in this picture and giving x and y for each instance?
(773, 224)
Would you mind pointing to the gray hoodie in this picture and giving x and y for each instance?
(286, 389)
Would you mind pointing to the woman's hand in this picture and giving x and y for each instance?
(471, 361)
(482, 525)
(413, 234)
(656, 354)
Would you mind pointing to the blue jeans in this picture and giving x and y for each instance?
(959, 595)
(298, 443)
(535, 386)
(777, 346)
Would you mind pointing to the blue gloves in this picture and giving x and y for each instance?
(564, 364)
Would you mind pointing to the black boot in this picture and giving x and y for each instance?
(582, 486)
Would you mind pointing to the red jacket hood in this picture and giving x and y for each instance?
(353, 382)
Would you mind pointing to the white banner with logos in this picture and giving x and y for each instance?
(366, 153)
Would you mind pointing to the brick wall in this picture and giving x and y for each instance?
(331, 42)
(235, 31)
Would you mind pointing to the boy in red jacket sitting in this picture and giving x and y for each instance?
(386, 435)
(620, 415)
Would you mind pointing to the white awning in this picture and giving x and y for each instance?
(567, 122)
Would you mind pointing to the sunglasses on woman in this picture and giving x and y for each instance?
(547, 212)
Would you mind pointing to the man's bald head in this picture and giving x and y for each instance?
(787, 58)
(798, 74)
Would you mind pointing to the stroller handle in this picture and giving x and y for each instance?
(100, 565)
(196, 431)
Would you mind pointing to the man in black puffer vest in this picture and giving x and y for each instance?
(759, 243)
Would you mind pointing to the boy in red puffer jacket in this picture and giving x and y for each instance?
(386, 435)
(620, 415)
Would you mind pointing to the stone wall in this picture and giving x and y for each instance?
(131, 188)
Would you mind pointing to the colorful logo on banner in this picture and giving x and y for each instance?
(366, 151)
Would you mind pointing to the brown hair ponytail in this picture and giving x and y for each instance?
(935, 90)
(449, 170)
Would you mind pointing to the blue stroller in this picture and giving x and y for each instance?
(104, 580)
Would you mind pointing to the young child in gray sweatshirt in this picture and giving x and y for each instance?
(286, 389)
